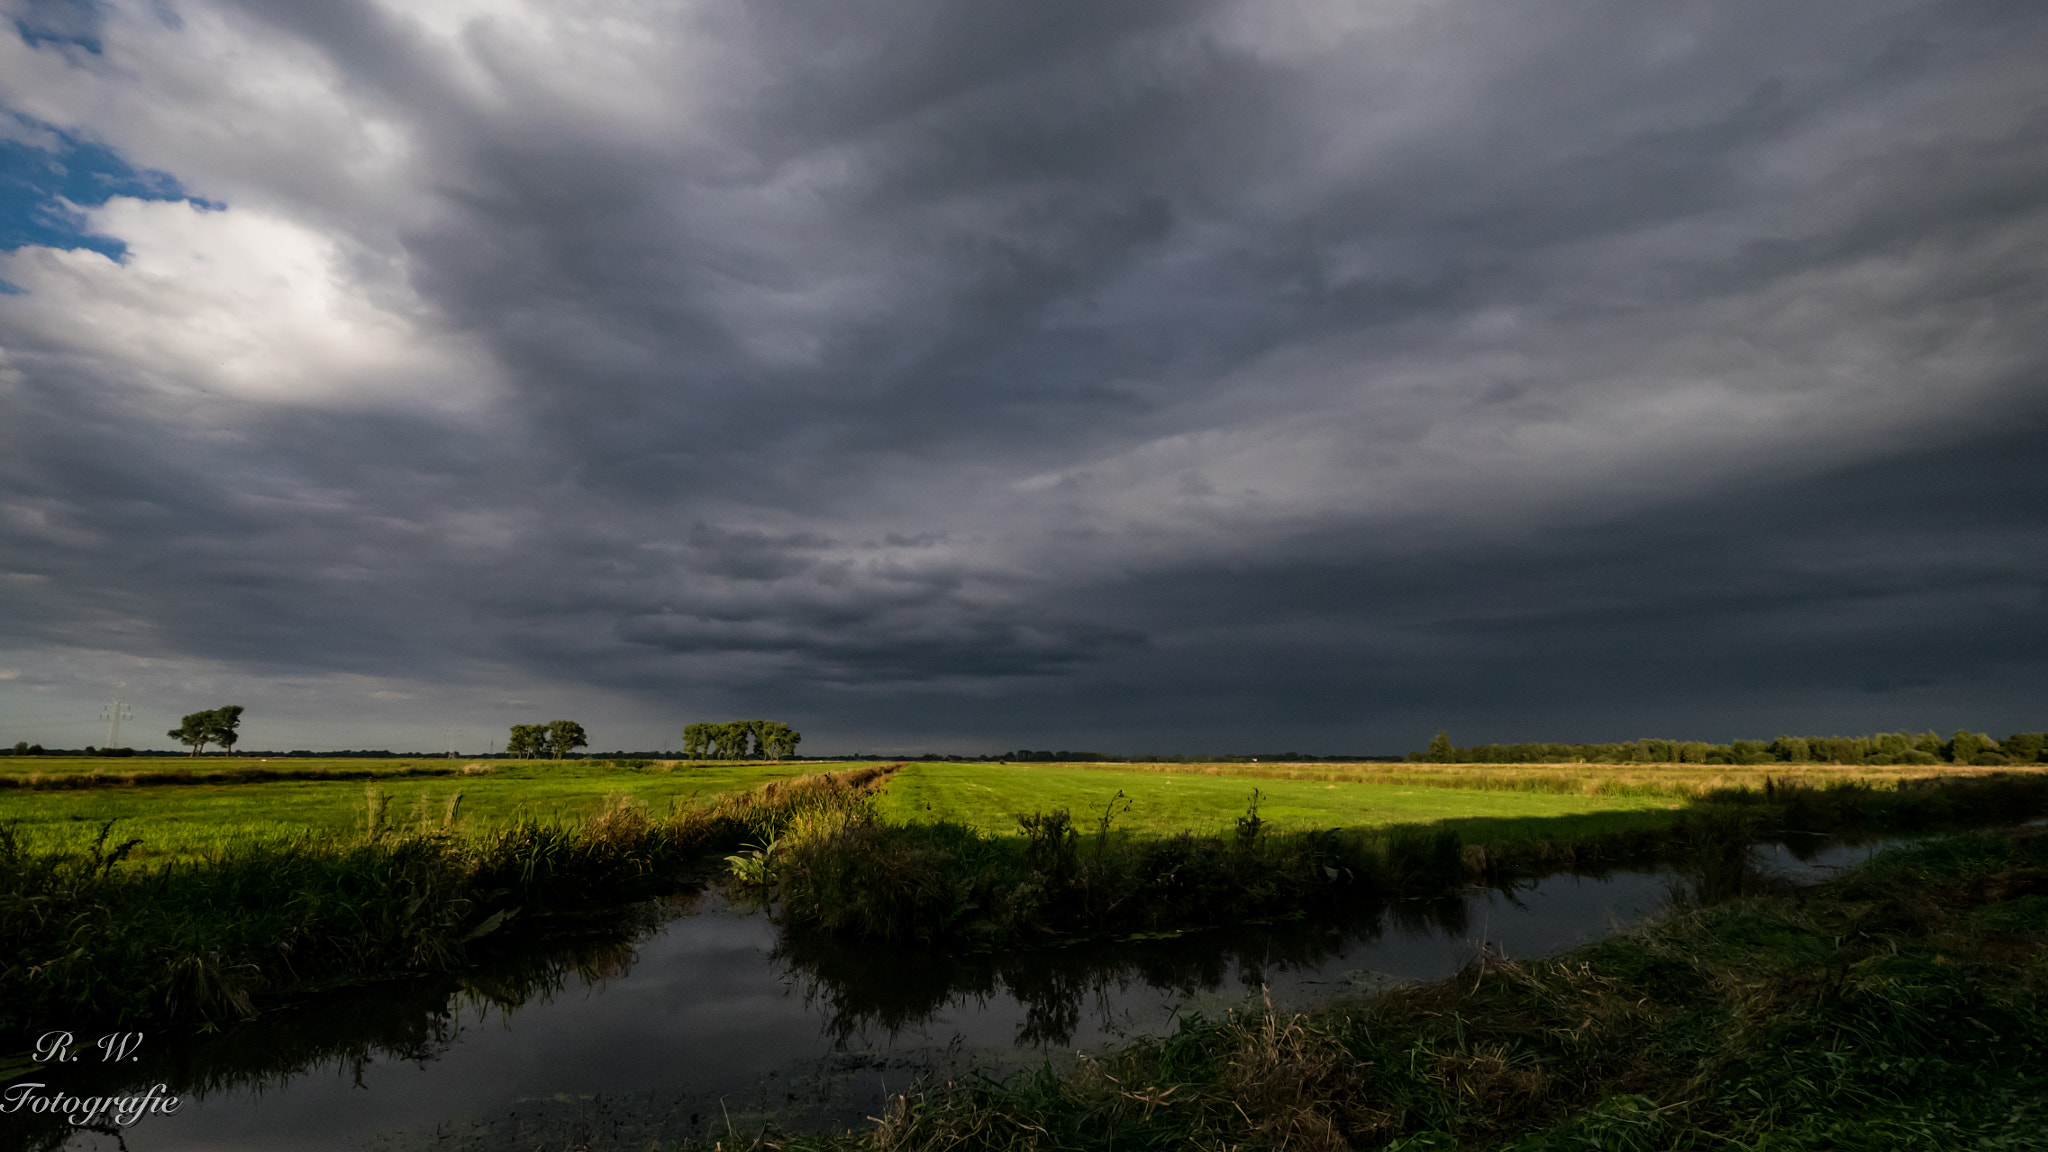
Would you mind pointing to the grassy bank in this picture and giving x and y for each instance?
(86, 936)
(1066, 875)
(1904, 1006)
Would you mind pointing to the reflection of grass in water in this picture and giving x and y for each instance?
(868, 989)
(343, 1032)
(1899, 1007)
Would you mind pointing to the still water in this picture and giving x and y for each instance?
(706, 1016)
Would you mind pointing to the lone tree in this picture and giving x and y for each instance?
(213, 726)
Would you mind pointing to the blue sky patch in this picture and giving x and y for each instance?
(41, 190)
(74, 22)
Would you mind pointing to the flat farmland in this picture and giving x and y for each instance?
(1162, 801)
(187, 820)
(1645, 779)
(118, 769)
(62, 802)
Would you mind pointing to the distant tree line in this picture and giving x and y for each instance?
(741, 740)
(1883, 748)
(195, 731)
(550, 741)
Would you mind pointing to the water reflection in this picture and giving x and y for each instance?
(697, 1016)
(342, 1034)
(858, 989)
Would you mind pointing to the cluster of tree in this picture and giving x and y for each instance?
(214, 726)
(550, 741)
(1882, 748)
(741, 740)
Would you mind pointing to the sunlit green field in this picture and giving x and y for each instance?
(188, 820)
(118, 766)
(991, 796)
(185, 820)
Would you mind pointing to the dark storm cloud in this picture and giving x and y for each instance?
(1899, 594)
(1156, 375)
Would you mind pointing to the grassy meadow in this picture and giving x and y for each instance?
(1676, 781)
(189, 820)
(1208, 800)
(183, 808)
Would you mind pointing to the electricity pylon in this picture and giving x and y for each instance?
(113, 714)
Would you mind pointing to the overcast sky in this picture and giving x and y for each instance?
(949, 376)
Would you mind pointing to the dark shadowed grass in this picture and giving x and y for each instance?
(1904, 1006)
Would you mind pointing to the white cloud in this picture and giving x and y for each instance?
(238, 303)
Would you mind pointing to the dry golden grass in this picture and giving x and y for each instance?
(1677, 780)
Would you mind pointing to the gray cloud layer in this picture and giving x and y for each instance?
(1142, 376)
